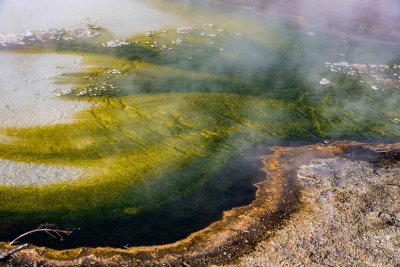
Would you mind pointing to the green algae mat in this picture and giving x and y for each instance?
(169, 140)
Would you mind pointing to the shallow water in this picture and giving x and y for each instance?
(123, 17)
(26, 174)
(28, 85)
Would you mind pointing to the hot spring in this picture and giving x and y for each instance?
(141, 122)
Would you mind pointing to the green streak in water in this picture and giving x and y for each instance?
(175, 122)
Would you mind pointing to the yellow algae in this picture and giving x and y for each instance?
(130, 143)
(166, 71)
(163, 121)
(131, 211)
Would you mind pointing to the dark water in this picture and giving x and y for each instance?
(231, 187)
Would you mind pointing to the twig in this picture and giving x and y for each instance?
(47, 229)
(10, 252)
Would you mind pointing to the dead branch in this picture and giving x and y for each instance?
(10, 252)
(49, 229)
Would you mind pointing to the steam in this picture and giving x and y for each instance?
(380, 19)
(123, 18)
(284, 71)
(340, 31)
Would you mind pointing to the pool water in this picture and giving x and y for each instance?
(177, 118)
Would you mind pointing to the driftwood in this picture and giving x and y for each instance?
(48, 229)
(11, 252)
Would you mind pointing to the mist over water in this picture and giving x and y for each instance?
(356, 16)
(123, 19)
(180, 114)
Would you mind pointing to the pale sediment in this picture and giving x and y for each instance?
(27, 88)
(132, 18)
(28, 174)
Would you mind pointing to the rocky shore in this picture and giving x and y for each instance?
(350, 214)
(321, 205)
